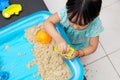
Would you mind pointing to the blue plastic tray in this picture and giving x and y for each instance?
(13, 36)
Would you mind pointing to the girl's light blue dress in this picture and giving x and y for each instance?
(80, 38)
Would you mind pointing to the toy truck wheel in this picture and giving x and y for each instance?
(5, 15)
(16, 13)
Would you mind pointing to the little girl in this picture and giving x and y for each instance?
(81, 24)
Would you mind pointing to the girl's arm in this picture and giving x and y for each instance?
(91, 48)
(93, 44)
(49, 27)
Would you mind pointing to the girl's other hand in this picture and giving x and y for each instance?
(62, 46)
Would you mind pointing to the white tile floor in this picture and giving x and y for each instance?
(104, 64)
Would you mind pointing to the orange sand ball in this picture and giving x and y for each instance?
(43, 37)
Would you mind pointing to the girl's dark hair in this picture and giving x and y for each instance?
(83, 12)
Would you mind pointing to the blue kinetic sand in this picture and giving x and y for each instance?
(4, 75)
(16, 51)
(3, 4)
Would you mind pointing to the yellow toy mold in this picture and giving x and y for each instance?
(69, 52)
(12, 9)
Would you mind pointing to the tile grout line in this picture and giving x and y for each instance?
(107, 55)
(113, 66)
(113, 52)
(96, 60)
(101, 58)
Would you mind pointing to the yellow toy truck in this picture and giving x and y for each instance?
(12, 9)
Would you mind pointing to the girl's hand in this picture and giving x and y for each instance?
(62, 46)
